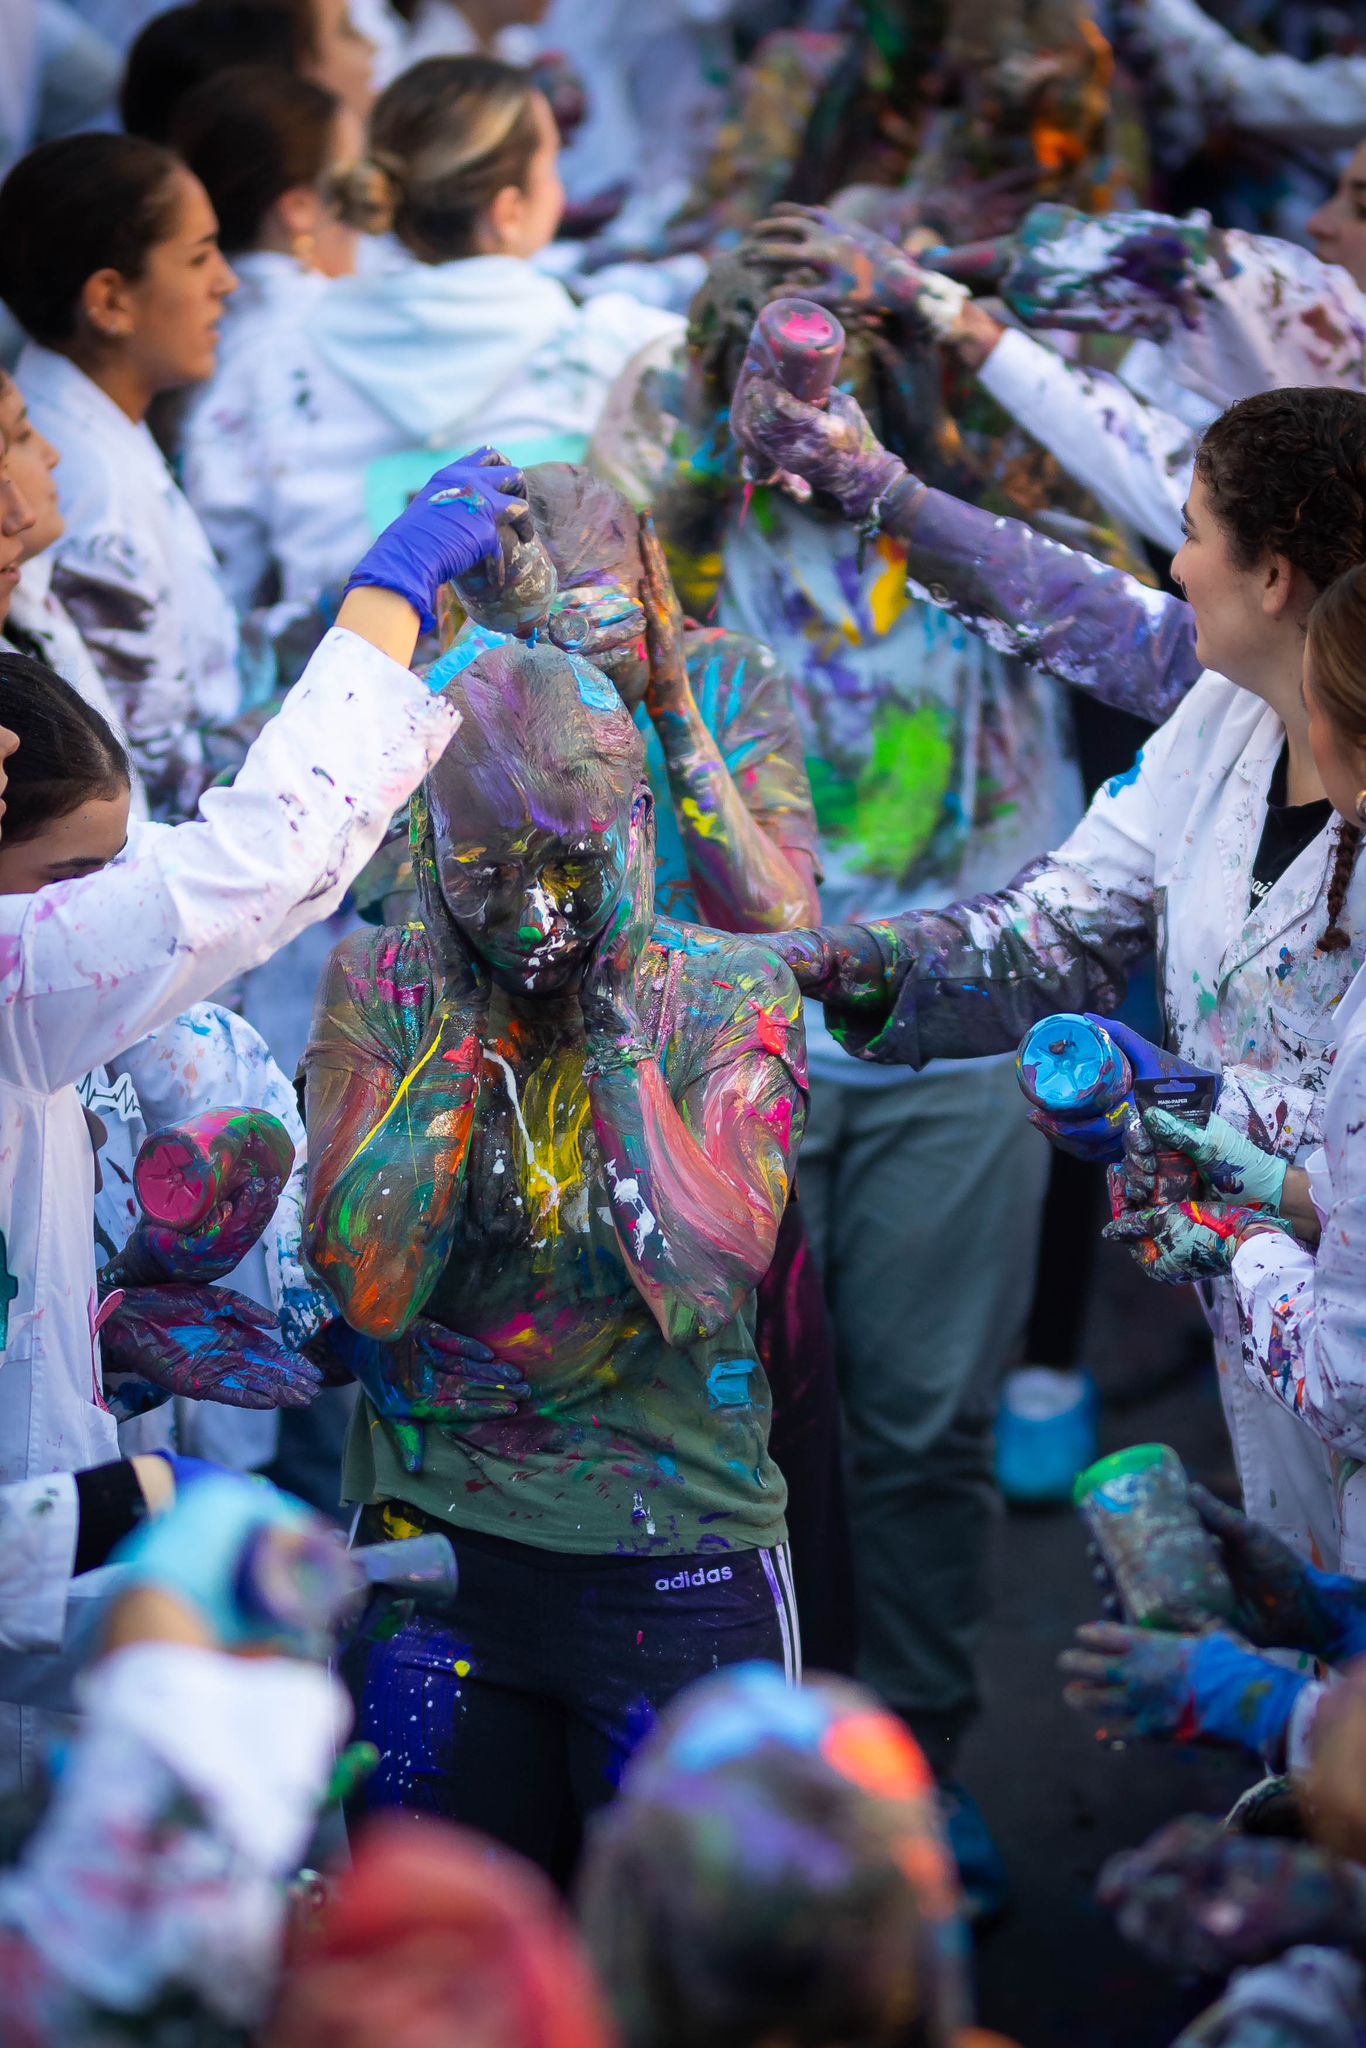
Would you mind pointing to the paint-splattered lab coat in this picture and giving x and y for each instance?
(89, 967)
(1163, 857)
(1304, 1313)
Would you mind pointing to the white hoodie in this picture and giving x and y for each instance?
(432, 357)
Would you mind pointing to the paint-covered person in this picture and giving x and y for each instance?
(95, 956)
(1215, 315)
(776, 1870)
(1218, 846)
(735, 844)
(462, 327)
(555, 1133)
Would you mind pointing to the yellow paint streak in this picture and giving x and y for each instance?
(557, 1110)
(703, 823)
(887, 598)
(404, 1086)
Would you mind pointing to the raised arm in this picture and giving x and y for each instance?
(697, 1188)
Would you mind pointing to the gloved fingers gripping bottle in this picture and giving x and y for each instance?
(1163, 1561)
(800, 345)
(512, 589)
(1080, 1074)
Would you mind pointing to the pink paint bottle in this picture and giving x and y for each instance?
(800, 344)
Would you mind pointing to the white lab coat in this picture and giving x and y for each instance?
(1222, 82)
(45, 619)
(441, 357)
(88, 967)
(1265, 314)
(136, 572)
(1164, 855)
(1304, 1313)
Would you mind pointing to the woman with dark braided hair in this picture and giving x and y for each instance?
(1218, 846)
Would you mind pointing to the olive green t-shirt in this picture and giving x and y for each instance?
(628, 1445)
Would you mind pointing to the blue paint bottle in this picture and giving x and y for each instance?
(1070, 1066)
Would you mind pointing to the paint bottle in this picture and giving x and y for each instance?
(512, 589)
(1070, 1066)
(422, 1567)
(801, 344)
(301, 1582)
(1165, 1564)
(181, 1173)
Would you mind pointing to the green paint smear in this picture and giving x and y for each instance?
(902, 790)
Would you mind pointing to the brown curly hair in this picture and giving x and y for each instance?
(1285, 472)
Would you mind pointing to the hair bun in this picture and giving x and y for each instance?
(368, 194)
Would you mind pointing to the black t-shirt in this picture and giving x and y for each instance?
(1287, 831)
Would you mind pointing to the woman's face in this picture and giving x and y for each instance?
(343, 59)
(169, 317)
(85, 840)
(523, 222)
(1230, 622)
(16, 521)
(1341, 761)
(30, 461)
(1338, 229)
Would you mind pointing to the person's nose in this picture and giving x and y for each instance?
(16, 514)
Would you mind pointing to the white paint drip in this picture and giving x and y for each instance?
(548, 1181)
(628, 1195)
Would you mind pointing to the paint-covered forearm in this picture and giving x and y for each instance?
(698, 1188)
(390, 1152)
(745, 880)
(1060, 610)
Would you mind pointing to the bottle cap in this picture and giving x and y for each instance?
(1066, 1063)
(1119, 1465)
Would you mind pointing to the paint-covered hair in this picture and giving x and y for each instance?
(251, 134)
(445, 139)
(1337, 654)
(67, 753)
(1285, 474)
(588, 527)
(773, 1870)
(70, 208)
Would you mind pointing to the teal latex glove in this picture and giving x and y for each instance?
(1189, 1240)
(259, 1568)
(1235, 1168)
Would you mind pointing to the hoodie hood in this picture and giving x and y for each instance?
(429, 345)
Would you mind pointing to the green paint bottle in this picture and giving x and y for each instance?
(1164, 1562)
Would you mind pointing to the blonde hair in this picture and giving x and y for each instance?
(445, 139)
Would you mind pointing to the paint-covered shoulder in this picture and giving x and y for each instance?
(377, 987)
(733, 986)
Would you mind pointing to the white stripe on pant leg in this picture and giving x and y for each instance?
(780, 1602)
(785, 1570)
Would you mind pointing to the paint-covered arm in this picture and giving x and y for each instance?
(1133, 457)
(86, 967)
(698, 1187)
(1268, 94)
(1049, 605)
(1302, 1314)
(748, 831)
(391, 1095)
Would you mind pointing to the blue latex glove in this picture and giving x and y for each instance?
(1284, 1603)
(450, 525)
(188, 1472)
(1207, 1688)
(1100, 1138)
(198, 1551)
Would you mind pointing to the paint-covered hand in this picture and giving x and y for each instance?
(1283, 1603)
(607, 995)
(207, 1188)
(1208, 1688)
(255, 1566)
(1234, 1169)
(807, 447)
(594, 620)
(841, 964)
(439, 1376)
(205, 1344)
(840, 263)
(450, 525)
(669, 692)
(1188, 1240)
(1195, 1897)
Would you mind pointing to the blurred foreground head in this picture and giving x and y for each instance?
(438, 1939)
(774, 1872)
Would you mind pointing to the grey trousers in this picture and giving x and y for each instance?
(924, 1203)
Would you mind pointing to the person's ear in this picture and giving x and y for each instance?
(1280, 586)
(299, 213)
(506, 213)
(106, 305)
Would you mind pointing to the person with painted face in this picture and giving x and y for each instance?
(1218, 846)
(552, 1137)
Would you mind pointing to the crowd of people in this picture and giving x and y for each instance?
(602, 610)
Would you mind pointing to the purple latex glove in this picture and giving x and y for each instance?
(1100, 1138)
(206, 1343)
(450, 525)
